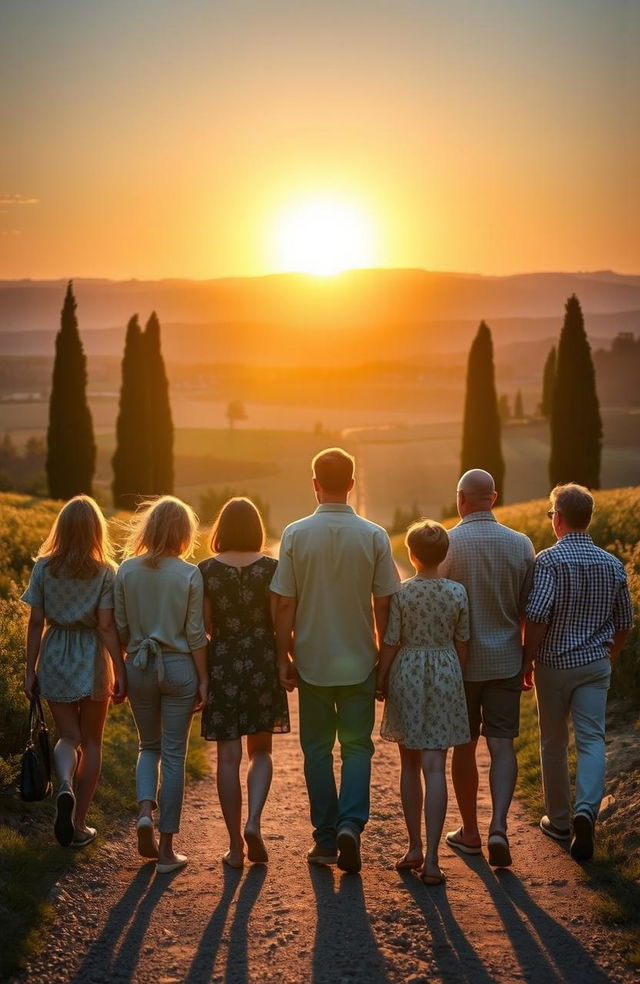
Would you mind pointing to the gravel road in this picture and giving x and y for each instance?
(289, 923)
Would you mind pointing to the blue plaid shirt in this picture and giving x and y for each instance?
(581, 592)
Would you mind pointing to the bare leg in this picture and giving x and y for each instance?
(93, 714)
(464, 773)
(412, 797)
(230, 795)
(435, 805)
(259, 775)
(65, 753)
(502, 780)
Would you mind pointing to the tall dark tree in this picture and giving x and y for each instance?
(548, 382)
(160, 420)
(481, 446)
(576, 425)
(71, 449)
(132, 459)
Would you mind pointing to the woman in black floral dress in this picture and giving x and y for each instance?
(245, 697)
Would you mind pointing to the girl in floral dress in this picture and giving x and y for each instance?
(419, 675)
(245, 696)
(73, 654)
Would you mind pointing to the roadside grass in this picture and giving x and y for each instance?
(30, 860)
(612, 874)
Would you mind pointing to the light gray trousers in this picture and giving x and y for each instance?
(163, 711)
(581, 693)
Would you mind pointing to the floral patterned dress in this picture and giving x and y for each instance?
(426, 705)
(245, 696)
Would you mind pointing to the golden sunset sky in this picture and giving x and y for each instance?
(208, 138)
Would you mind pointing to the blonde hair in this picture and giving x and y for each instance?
(78, 543)
(162, 526)
(428, 541)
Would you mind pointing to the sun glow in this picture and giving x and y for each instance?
(324, 236)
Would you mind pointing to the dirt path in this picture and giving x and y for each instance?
(291, 923)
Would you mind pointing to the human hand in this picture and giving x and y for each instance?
(527, 676)
(381, 689)
(287, 676)
(30, 684)
(119, 693)
(201, 696)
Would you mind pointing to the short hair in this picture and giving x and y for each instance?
(574, 503)
(428, 541)
(78, 543)
(162, 526)
(333, 470)
(238, 526)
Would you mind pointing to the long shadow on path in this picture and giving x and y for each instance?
(345, 947)
(237, 965)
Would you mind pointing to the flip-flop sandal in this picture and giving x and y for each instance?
(85, 838)
(404, 864)
(454, 839)
(434, 879)
(147, 845)
(499, 853)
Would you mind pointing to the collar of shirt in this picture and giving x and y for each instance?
(581, 537)
(334, 507)
(478, 517)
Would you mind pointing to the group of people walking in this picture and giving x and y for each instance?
(449, 651)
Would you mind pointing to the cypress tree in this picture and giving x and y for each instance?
(71, 449)
(160, 420)
(548, 380)
(132, 458)
(481, 446)
(576, 425)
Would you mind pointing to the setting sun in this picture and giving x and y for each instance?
(324, 236)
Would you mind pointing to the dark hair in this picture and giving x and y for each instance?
(574, 503)
(428, 541)
(333, 470)
(238, 526)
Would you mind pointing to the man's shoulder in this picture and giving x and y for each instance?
(489, 530)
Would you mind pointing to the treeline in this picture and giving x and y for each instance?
(143, 459)
(569, 401)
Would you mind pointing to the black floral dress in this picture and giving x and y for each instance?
(245, 696)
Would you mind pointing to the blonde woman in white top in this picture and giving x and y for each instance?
(158, 603)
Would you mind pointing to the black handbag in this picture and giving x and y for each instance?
(35, 769)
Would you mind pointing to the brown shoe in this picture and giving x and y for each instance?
(349, 848)
(319, 854)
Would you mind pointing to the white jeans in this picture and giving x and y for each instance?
(582, 693)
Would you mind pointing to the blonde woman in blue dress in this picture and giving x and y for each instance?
(420, 676)
(73, 654)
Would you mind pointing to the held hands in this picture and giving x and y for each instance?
(287, 675)
(381, 688)
(527, 676)
(201, 696)
(119, 693)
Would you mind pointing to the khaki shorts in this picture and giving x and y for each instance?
(494, 707)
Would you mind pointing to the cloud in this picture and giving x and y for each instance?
(17, 200)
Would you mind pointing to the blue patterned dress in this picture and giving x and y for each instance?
(426, 705)
(245, 696)
(73, 662)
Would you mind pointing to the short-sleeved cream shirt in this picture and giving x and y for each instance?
(333, 562)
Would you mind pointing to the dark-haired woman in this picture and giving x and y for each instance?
(245, 697)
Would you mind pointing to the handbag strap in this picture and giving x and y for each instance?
(36, 714)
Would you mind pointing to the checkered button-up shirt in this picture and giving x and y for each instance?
(581, 592)
(495, 564)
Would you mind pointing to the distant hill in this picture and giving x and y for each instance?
(362, 314)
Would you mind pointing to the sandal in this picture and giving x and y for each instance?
(406, 864)
(454, 839)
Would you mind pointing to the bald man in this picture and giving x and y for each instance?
(495, 564)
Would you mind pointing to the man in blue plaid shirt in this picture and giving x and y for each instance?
(578, 615)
